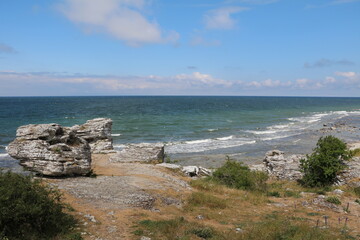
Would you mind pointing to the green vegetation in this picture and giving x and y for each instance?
(236, 175)
(177, 228)
(357, 191)
(31, 210)
(274, 228)
(282, 228)
(334, 200)
(322, 166)
(204, 199)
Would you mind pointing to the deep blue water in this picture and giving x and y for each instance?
(190, 126)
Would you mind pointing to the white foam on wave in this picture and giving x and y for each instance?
(212, 129)
(277, 137)
(3, 155)
(115, 134)
(262, 132)
(225, 138)
(198, 141)
(206, 145)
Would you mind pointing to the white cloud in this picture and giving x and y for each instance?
(122, 19)
(221, 18)
(346, 74)
(198, 78)
(302, 82)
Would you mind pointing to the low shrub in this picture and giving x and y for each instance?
(322, 166)
(236, 175)
(334, 200)
(31, 210)
(357, 191)
(273, 194)
(177, 228)
(206, 200)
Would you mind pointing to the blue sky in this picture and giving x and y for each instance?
(188, 47)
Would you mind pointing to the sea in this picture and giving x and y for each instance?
(196, 130)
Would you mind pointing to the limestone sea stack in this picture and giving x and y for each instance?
(97, 132)
(53, 150)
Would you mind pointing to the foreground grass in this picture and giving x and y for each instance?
(215, 211)
(270, 229)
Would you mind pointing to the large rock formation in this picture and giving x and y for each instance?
(97, 132)
(51, 150)
(142, 152)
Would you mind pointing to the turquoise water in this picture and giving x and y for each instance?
(190, 126)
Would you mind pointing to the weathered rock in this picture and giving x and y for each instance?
(351, 174)
(169, 165)
(51, 150)
(143, 152)
(195, 171)
(97, 132)
(281, 167)
(278, 165)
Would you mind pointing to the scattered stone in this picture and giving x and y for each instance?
(51, 150)
(90, 217)
(195, 171)
(143, 152)
(200, 217)
(145, 238)
(111, 229)
(338, 191)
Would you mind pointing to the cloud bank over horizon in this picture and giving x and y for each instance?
(194, 83)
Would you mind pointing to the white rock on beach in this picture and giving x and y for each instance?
(196, 171)
(142, 152)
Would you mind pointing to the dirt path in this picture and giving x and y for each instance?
(109, 203)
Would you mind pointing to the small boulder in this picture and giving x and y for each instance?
(195, 171)
(142, 152)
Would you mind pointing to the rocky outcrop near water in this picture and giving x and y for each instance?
(97, 132)
(51, 150)
(282, 167)
(142, 152)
